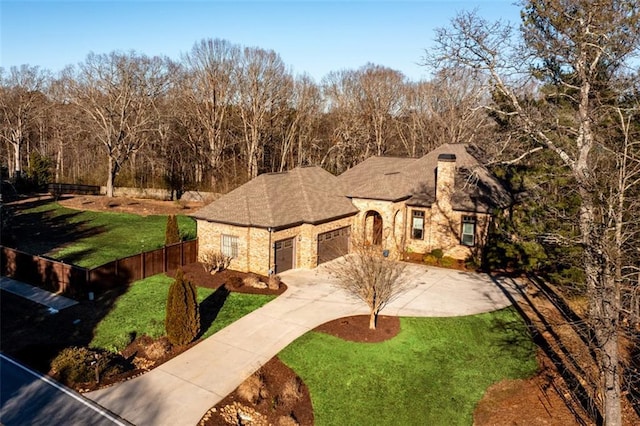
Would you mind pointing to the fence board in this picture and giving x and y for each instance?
(153, 262)
(72, 188)
(48, 274)
(130, 268)
(174, 256)
(72, 280)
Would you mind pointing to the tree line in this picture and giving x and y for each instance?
(220, 116)
(552, 106)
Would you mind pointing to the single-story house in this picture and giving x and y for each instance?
(307, 216)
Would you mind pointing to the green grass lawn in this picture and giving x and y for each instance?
(90, 239)
(433, 373)
(141, 310)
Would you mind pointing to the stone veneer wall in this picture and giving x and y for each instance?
(444, 232)
(255, 253)
(393, 223)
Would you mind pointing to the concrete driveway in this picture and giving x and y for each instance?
(181, 390)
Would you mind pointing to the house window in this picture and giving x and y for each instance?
(468, 231)
(229, 245)
(417, 225)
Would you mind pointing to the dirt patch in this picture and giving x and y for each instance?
(143, 207)
(536, 401)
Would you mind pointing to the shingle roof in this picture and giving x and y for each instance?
(277, 200)
(396, 179)
(379, 178)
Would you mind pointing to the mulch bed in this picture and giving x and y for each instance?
(275, 375)
(196, 273)
(356, 328)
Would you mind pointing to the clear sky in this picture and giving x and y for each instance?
(315, 37)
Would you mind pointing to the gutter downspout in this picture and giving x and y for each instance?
(270, 272)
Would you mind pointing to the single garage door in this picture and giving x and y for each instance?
(333, 244)
(284, 255)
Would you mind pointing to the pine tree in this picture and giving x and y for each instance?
(182, 322)
(172, 233)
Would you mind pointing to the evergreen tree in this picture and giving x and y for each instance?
(172, 233)
(182, 322)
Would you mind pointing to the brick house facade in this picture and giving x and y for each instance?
(306, 216)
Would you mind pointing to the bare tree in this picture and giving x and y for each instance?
(263, 86)
(118, 93)
(367, 274)
(579, 48)
(364, 104)
(298, 133)
(209, 90)
(21, 94)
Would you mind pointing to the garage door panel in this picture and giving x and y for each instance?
(333, 244)
(284, 252)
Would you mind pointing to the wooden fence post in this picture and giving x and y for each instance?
(164, 258)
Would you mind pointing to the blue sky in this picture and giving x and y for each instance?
(315, 37)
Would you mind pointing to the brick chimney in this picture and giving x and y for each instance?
(445, 181)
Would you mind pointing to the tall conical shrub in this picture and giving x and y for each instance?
(172, 233)
(182, 322)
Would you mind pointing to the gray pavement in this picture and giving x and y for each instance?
(35, 294)
(29, 398)
(181, 390)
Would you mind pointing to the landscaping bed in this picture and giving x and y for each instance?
(36, 337)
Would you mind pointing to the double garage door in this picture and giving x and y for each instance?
(333, 244)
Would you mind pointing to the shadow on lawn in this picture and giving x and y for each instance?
(41, 232)
(210, 308)
(35, 336)
(554, 348)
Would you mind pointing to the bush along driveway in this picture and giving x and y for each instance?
(181, 390)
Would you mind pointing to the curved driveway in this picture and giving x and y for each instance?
(181, 390)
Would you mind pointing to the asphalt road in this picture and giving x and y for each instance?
(29, 398)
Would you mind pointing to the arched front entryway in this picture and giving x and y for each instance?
(373, 228)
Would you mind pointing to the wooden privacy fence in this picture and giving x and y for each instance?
(73, 188)
(75, 281)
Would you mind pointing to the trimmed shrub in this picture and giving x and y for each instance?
(448, 262)
(182, 322)
(234, 283)
(291, 392)
(251, 281)
(437, 253)
(172, 232)
(274, 282)
(77, 364)
(253, 389)
(430, 259)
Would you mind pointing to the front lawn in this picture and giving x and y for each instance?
(433, 373)
(88, 238)
(141, 310)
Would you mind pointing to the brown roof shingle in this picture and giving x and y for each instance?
(395, 179)
(278, 200)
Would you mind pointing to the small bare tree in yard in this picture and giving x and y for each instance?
(371, 277)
